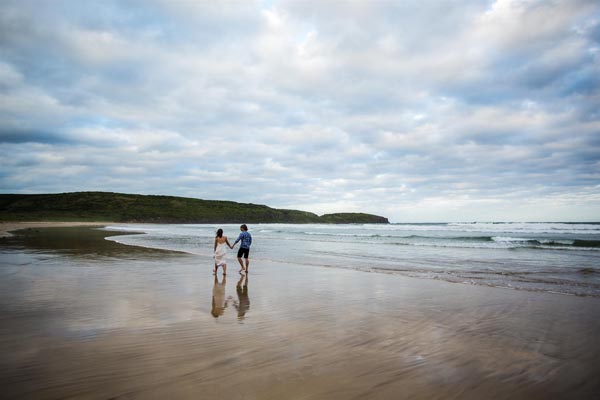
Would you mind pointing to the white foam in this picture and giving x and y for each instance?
(507, 239)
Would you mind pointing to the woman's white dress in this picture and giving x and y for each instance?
(220, 254)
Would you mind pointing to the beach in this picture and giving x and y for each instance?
(7, 227)
(85, 317)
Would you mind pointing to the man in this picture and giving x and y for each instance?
(244, 250)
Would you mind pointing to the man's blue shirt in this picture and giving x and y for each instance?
(246, 239)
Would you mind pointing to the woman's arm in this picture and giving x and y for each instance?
(227, 241)
(215, 245)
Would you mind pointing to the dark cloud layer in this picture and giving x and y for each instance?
(423, 111)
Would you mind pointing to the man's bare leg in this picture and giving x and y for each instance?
(241, 264)
(247, 264)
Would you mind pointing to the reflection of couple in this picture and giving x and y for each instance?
(220, 302)
(221, 252)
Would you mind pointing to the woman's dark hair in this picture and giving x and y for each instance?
(244, 227)
(220, 233)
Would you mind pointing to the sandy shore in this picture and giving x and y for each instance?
(7, 227)
(93, 319)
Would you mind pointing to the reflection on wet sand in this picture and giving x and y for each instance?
(219, 302)
(243, 303)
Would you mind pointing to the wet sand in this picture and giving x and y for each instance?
(82, 317)
(7, 227)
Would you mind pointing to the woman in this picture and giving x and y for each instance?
(221, 252)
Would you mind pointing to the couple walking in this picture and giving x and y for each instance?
(221, 253)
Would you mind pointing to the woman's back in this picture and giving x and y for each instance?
(220, 250)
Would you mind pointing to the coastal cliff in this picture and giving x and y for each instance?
(120, 207)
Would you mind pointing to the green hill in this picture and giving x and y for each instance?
(352, 218)
(119, 207)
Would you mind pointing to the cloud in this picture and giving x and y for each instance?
(417, 111)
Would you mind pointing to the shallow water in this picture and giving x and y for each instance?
(551, 257)
(85, 320)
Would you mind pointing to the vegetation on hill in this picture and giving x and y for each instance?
(119, 207)
(352, 218)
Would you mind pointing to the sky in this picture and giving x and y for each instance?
(419, 111)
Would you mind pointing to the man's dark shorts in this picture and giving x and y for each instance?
(244, 252)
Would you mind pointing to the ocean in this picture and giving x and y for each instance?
(550, 257)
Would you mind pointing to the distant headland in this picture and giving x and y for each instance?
(135, 208)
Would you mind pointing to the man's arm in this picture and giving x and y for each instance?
(237, 240)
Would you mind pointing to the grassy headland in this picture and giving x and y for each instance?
(119, 207)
